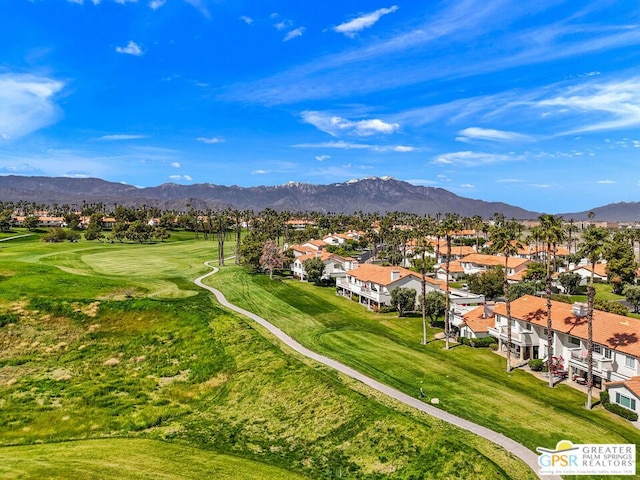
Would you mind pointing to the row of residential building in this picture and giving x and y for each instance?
(616, 357)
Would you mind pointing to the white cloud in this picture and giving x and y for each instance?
(509, 180)
(321, 158)
(118, 137)
(403, 148)
(187, 178)
(606, 182)
(76, 174)
(335, 125)
(349, 146)
(211, 140)
(467, 185)
(201, 6)
(540, 185)
(181, 177)
(259, 172)
(612, 105)
(472, 159)
(175, 164)
(282, 25)
(476, 133)
(366, 20)
(132, 48)
(421, 181)
(26, 104)
(296, 32)
(156, 4)
(247, 20)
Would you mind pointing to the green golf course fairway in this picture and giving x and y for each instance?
(129, 459)
(102, 342)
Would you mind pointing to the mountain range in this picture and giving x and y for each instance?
(374, 194)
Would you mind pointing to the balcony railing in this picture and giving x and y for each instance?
(579, 359)
(522, 338)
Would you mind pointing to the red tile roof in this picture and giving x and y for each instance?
(616, 332)
(493, 260)
(475, 320)
(633, 385)
(381, 275)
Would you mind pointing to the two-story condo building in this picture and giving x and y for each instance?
(479, 263)
(616, 338)
(335, 266)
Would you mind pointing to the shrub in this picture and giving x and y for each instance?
(478, 342)
(6, 318)
(605, 400)
(619, 410)
(494, 347)
(536, 364)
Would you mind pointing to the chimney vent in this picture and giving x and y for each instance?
(580, 309)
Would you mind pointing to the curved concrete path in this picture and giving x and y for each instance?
(14, 237)
(517, 449)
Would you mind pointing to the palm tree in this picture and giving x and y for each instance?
(551, 233)
(423, 246)
(592, 247)
(449, 226)
(505, 240)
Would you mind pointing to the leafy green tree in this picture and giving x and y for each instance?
(315, 269)
(72, 236)
(161, 233)
(487, 283)
(536, 272)
(632, 294)
(251, 249)
(403, 299)
(31, 223)
(520, 289)
(72, 220)
(54, 235)
(434, 305)
(621, 264)
(5, 221)
(118, 231)
(139, 231)
(570, 282)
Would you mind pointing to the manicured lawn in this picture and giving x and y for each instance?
(129, 459)
(469, 382)
(105, 341)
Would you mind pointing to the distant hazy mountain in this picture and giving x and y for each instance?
(367, 195)
(614, 212)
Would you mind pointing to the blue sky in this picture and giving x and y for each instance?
(536, 104)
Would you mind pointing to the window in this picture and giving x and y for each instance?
(629, 361)
(574, 341)
(630, 403)
(597, 348)
(526, 327)
(607, 353)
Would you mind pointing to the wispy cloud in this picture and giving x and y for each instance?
(181, 177)
(467, 185)
(296, 32)
(403, 148)
(119, 137)
(335, 125)
(201, 6)
(617, 101)
(476, 133)
(322, 158)
(366, 20)
(27, 104)
(210, 140)
(342, 145)
(132, 48)
(247, 20)
(472, 159)
(606, 182)
(175, 164)
(259, 172)
(156, 4)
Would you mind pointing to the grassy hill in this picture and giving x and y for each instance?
(113, 347)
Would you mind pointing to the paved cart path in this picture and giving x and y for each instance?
(517, 449)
